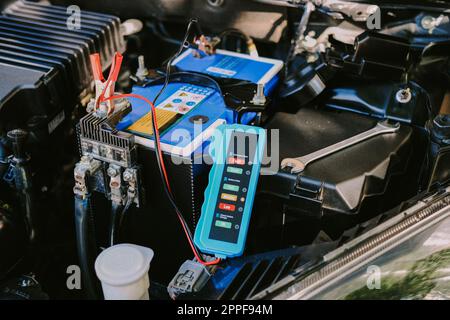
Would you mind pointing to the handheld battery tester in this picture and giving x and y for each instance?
(225, 216)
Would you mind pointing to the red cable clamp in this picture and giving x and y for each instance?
(105, 88)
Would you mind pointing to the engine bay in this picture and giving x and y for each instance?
(221, 143)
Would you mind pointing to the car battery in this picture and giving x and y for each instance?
(229, 64)
(186, 116)
(226, 66)
(188, 111)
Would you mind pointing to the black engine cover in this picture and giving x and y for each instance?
(333, 193)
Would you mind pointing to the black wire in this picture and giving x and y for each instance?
(193, 77)
(117, 215)
(115, 209)
(183, 45)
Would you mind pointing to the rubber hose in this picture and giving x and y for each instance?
(86, 246)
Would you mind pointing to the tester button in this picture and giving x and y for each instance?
(229, 197)
(223, 224)
(234, 170)
(227, 207)
(231, 187)
(235, 160)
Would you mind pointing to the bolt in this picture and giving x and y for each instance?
(142, 71)
(127, 176)
(403, 95)
(259, 98)
(102, 111)
(141, 62)
(112, 172)
(428, 22)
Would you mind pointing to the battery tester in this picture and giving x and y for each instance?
(223, 225)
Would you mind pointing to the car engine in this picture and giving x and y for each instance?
(210, 149)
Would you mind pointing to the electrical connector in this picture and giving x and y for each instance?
(191, 277)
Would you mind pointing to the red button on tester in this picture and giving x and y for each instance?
(235, 160)
(227, 207)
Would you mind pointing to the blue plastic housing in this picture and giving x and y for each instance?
(228, 64)
(212, 107)
(221, 139)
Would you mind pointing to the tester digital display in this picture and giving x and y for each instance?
(223, 225)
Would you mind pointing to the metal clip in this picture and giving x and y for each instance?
(83, 169)
(104, 88)
(130, 176)
(115, 183)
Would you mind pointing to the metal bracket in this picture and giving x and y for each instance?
(131, 177)
(83, 169)
(115, 184)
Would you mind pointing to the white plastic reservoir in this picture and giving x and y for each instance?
(123, 271)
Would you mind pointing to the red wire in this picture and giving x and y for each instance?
(101, 98)
(163, 167)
